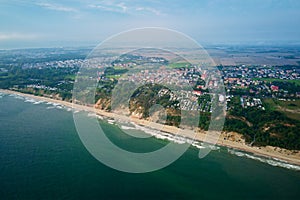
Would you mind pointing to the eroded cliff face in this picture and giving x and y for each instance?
(134, 110)
(103, 104)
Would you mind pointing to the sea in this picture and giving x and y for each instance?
(42, 157)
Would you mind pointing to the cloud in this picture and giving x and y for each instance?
(148, 9)
(120, 8)
(17, 36)
(56, 7)
(125, 8)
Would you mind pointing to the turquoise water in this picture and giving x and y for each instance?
(43, 157)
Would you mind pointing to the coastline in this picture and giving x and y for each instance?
(276, 153)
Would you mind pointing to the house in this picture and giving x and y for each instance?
(274, 88)
(197, 92)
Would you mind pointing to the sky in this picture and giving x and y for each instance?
(51, 23)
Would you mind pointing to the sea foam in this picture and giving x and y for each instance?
(270, 161)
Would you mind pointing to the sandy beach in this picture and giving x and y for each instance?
(231, 139)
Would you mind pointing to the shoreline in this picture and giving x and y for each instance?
(275, 153)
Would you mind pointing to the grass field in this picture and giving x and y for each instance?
(117, 76)
(290, 108)
(179, 65)
(297, 82)
(71, 77)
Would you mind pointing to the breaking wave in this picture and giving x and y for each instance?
(270, 161)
